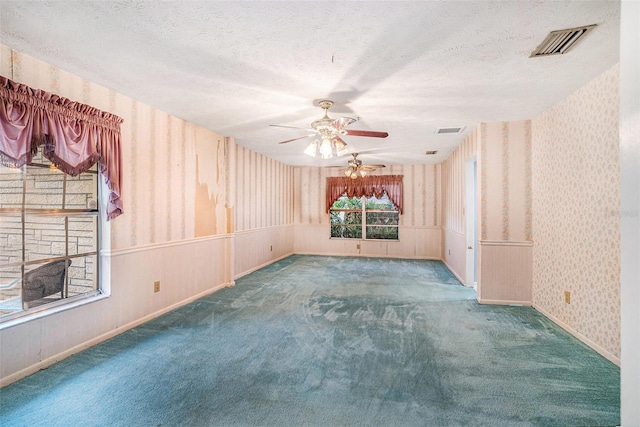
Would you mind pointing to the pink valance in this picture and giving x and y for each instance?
(75, 135)
(373, 185)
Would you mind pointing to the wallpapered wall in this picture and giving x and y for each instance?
(453, 183)
(576, 206)
(421, 186)
(503, 155)
(419, 231)
(504, 175)
(263, 191)
(171, 168)
(505, 181)
(454, 209)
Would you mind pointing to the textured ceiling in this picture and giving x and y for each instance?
(407, 68)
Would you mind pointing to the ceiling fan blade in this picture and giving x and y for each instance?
(295, 139)
(370, 133)
(372, 167)
(290, 127)
(342, 122)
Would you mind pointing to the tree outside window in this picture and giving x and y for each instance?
(364, 218)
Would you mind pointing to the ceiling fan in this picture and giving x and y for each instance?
(357, 169)
(330, 131)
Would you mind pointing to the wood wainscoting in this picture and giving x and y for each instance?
(505, 275)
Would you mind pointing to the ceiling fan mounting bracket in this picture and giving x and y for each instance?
(325, 104)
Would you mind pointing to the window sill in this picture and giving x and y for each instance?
(364, 240)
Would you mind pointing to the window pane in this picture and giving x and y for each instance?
(382, 218)
(389, 233)
(10, 287)
(82, 192)
(346, 217)
(10, 238)
(83, 234)
(382, 203)
(44, 188)
(346, 203)
(83, 275)
(346, 231)
(10, 187)
(43, 283)
(45, 237)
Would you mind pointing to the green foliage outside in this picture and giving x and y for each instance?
(346, 218)
(346, 203)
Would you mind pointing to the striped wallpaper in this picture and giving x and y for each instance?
(505, 180)
(180, 181)
(421, 185)
(263, 191)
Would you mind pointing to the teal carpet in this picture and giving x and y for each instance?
(329, 341)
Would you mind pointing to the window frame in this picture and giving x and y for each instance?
(101, 232)
(363, 224)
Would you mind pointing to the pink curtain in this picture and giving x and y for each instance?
(75, 135)
(374, 185)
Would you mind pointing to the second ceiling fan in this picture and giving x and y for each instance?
(356, 169)
(329, 131)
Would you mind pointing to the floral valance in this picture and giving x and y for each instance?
(75, 136)
(373, 185)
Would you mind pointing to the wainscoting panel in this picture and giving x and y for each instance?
(187, 270)
(259, 247)
(454, 253)
(415, 242)
(505, 272)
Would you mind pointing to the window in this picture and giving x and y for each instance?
(353, 218)
(49, 236)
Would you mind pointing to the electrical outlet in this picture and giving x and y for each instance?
(567, 297)
(156, 286)
(449, 251)
(358, 246)
(271, 248)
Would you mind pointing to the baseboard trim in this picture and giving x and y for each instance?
(504, 302)
(596, 347)
(43, 364)
(454, 273)
(367, 255)
(251, 270)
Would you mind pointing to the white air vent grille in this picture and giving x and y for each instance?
(449, 130)
(560, 41)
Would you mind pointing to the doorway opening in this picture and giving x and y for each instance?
(471, 185)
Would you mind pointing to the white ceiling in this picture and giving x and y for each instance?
(407, 68)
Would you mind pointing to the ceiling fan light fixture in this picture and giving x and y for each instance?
(341, 148)
(326, 150)
(363, 173)
(328, 132)
(312, 149)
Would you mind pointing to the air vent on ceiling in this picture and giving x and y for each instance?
(560, 41)
(431, 153)
(449, 130)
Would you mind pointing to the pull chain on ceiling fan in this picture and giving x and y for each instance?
(329, 132)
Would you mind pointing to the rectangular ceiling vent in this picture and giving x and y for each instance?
(431, 153)
(449, 130)
(560, 41)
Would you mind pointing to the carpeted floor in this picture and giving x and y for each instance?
(329, 341)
